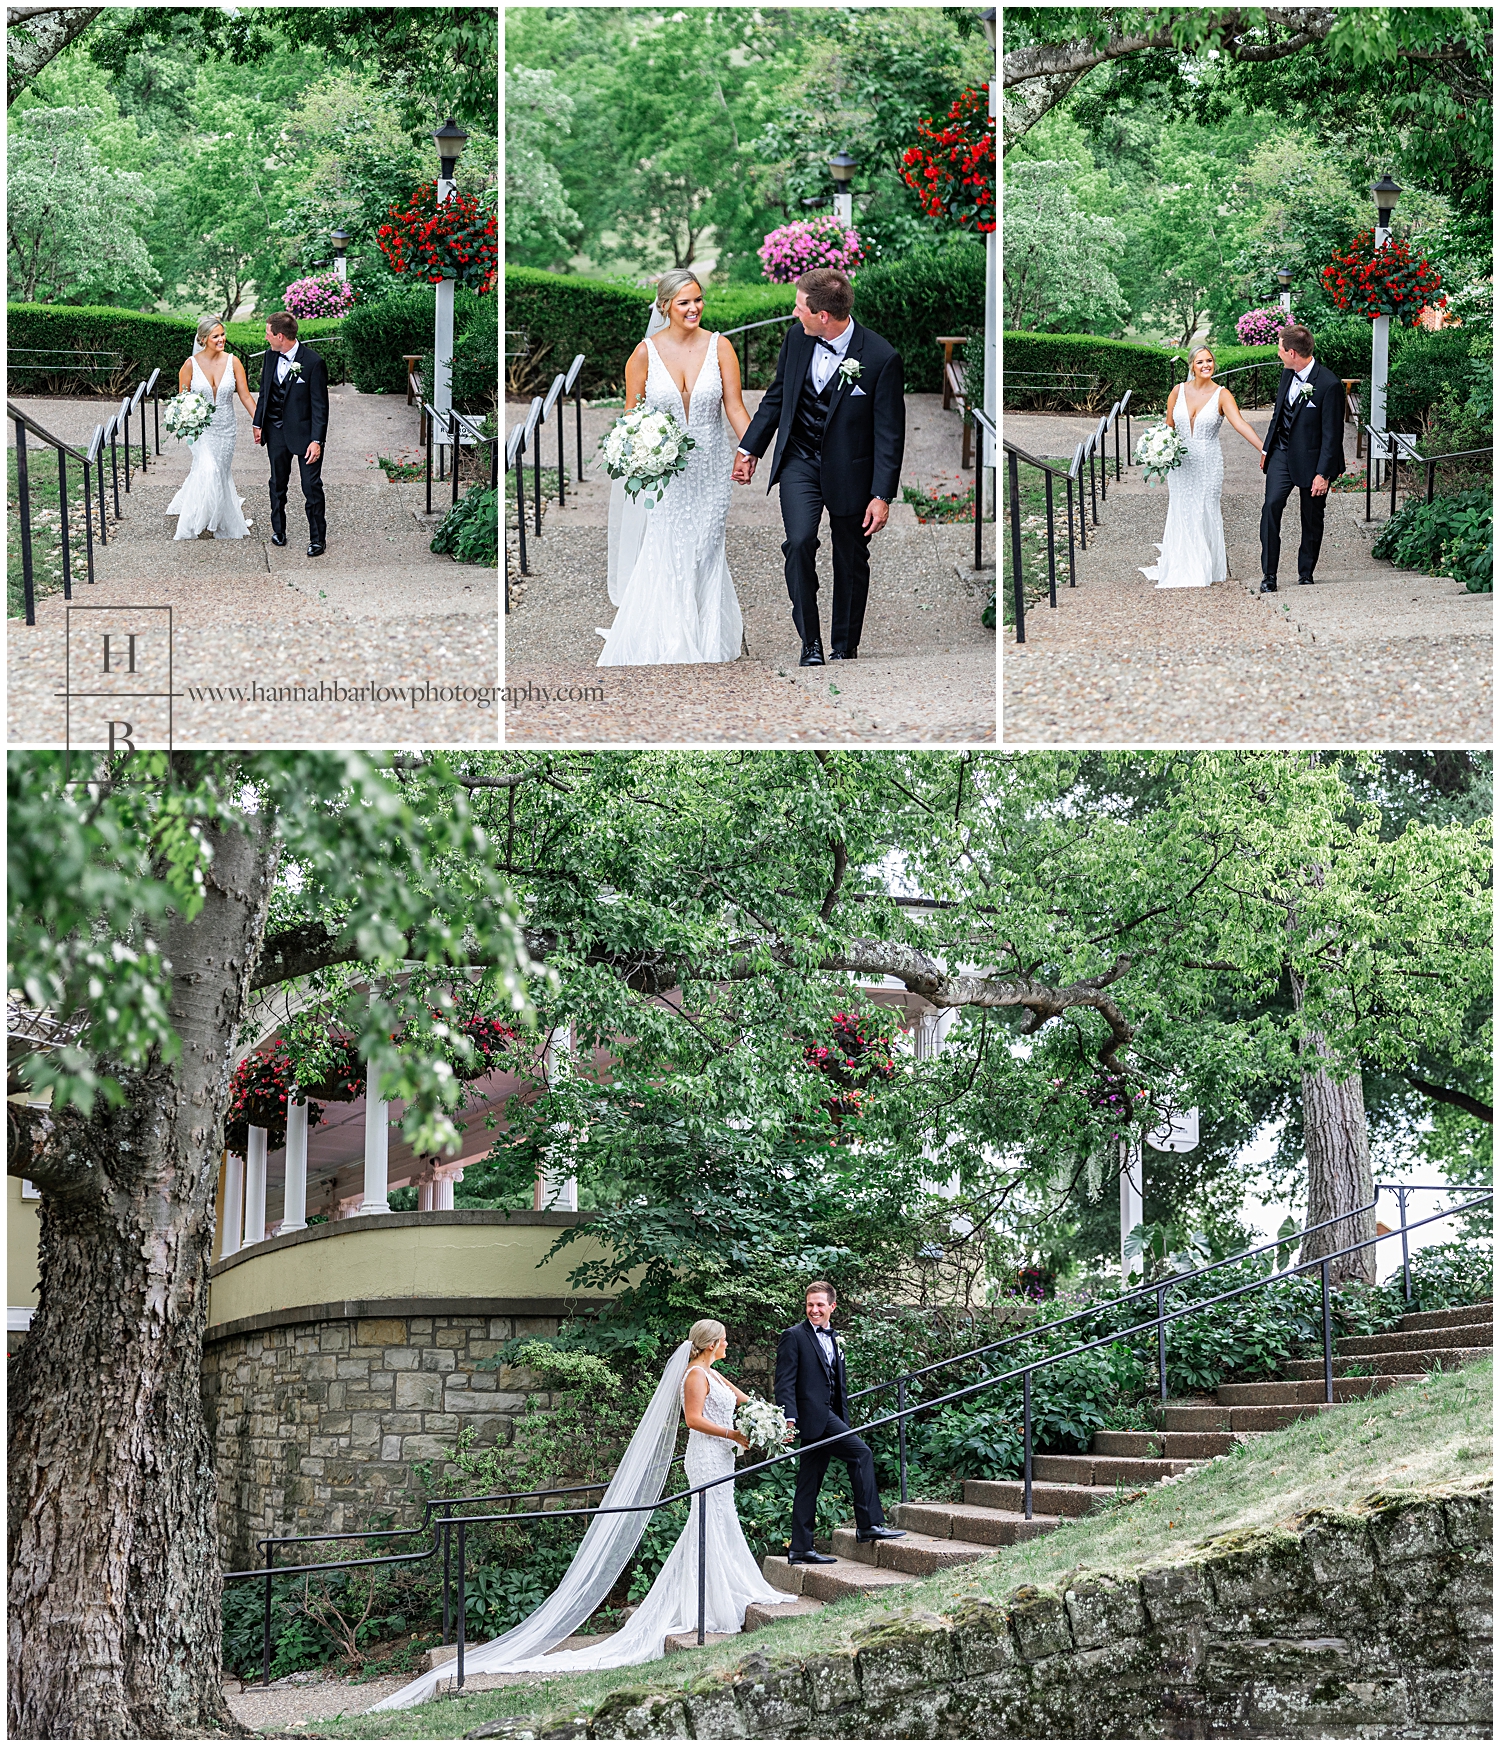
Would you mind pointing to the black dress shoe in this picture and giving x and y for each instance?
(1306, 581)
(881, 1534)
(843, 655)
(812, 654)
(278, 539)
(317, 549)
(1268, 588)
(810, 1559)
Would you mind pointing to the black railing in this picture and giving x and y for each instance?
(521, 434)
(1392, 448)
(572, 385)
(1014, 456)
(776, 321)
(977, 418)
(457, 426)
(86, 460)
(447, 1522)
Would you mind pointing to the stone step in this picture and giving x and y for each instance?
(677, 1641)
(1482, 1311)
(973, 1522)
(1284, 1394)
(916, 1554)
(1430, 1358)
(1186, 1446)
(760, 1614)
(1111, 1471)
(1209, 1418)
(1060, 1501)
(845, 1577)
(1477, 1335)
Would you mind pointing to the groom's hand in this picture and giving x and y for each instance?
(314, 450)
(1319, 486)
(876, 514)
(744, 469)
(255, 432)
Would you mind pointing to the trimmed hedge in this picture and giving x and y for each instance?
(147, 342)
(378, 335)
(551, 317)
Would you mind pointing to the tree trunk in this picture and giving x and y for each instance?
(1339, 1178)
(37, 35)
(114, 1583)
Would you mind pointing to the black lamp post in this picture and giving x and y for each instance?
(451, 140)
(340, 250)
(843, 168)
(1387, 192)
(1284, 280)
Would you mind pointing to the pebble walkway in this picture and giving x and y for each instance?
(1368, 655)
(378, 642)
(926, 667)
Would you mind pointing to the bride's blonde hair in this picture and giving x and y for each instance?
(704, 1335)
(671, 283)
(1193, 356)
(206, 325)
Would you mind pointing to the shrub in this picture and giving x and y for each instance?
(378, 335)
(147, 343)
(792, 249)
(1425, 367)
(470, 532)
(1445, 1275)
(1451, 536)
(1033, 360)
(937, 289)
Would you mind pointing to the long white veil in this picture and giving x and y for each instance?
(627, 517)
(602, 1554)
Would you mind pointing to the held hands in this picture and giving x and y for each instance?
(876, 515)
(744, 469)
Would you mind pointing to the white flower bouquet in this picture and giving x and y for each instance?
(645, 449)
(763, 1423)
(1158, 451)
(188, 415)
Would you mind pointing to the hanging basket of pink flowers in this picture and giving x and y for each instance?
(1261, 327)
(489, 1039)
(806, 243)
(320, 294)
(858, 1058)
(259, 1093)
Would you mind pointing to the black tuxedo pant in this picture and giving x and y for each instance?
(1279, 488)
(311, 472)
(814, 1465)
(801, 513)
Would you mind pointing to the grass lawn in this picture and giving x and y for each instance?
(1437, 1433)
(46, 528)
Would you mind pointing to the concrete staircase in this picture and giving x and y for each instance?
(991, 1515)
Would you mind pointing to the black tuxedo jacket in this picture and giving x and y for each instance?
(804, 1390)
(1315, 444)
(864, 437)
(304, 418)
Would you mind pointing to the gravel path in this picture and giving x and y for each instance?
(378, 641)
(1368, 654)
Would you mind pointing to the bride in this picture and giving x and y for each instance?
(668, 573)
(208, 499)
(732, 1580)
(1192, 544)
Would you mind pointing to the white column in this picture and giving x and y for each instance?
(377, 1145)
(1380, 360)
(442, 349)
(234, 1205)
(553, 1191)
(928, 1037)
(443, 1179)
(991, 343)
(843, 207)
(340, 267)
(294, 1196)
(425, 1192)
(1132, 1197)
(255, 1187)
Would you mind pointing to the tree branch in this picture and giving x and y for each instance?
(1450, 1095)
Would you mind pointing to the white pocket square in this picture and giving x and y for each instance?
(856, 390)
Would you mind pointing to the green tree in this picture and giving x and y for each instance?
(1058, 262)
(151, 900)
(536, 112)
(71, 223)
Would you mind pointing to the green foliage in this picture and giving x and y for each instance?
(1032, 360)
(1451, 536)
(563, 1368)
(378, 336)
(471, 529)
(496, 1599)
(931, 290)
(1444, 1275)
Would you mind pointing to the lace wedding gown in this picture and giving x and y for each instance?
(1192, 543)
(732, 1579)
(668, 573)
(208, 498)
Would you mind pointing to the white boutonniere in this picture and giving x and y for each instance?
(838, 1340)
(850, 370)
(294, 370)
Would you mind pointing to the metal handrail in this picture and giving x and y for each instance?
(447, 1521)
(515, 456)
(1016, 455)
(23, 423)
(749, 327)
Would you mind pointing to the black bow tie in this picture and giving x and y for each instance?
(827, 345)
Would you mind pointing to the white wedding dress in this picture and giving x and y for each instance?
(208, 498)
(668, 573)
(1192, 543)
(732, 1579)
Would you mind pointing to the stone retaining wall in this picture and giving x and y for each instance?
(317, 1419)
(1375, 1623)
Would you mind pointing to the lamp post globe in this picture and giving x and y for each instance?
(843, 167)
(988, 20)
(1284, 280)
(340, 250)
(1387, 191)
(450, 140)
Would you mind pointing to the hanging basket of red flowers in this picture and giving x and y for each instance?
(1386, 281)
(490, 1038)
(858, 1057)
(451, 239)
(259, 1093)
(953, 172)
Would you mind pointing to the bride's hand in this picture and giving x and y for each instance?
(741, 1440)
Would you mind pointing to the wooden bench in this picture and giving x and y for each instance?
(954, 378)
(948, 342)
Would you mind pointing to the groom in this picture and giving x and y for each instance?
(840, 418)
(812, 1392)
(291, 418)
(1304, 447)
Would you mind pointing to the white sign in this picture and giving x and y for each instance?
(1180, 1135)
